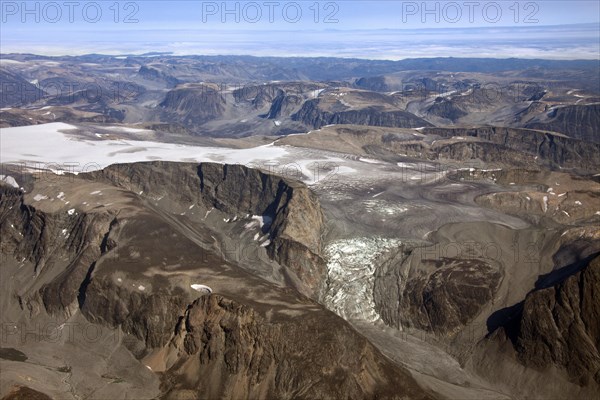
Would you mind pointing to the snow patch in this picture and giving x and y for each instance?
(260, 220)
(370, 161)
(201, 288)
(545, 206)
(9, 180)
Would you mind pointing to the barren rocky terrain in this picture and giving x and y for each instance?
(235, 228)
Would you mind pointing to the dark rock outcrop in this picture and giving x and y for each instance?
(155, 75)
(450, 297)
(442, 297)
(75, 241)
(292, 210)
(192, 105)
(555, 149)
(17, 91)
(310, 114)
(446, 109)
(148, 316)
(576, 121)
(560, 326)
(258, 340)
(295, 214)
(25, 393)
(227, 350)
(374, 83)
(283, 105)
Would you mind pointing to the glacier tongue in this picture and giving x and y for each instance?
(350, 268)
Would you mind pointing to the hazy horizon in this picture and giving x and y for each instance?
(348, 29)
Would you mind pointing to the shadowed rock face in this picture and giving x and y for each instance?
(374, 83)
(310, 114)
(25, 393)
(294, 211)
(442, 297)
(450, 297)
(577, 121)
(152, 74)
(254, 340)
(284, 105)
(148, 316)
(446, 109)
(192, 105)
(16, 90)
(294, 216)
(229, 351)
(560, 325)
(558, 150)
(43, 245)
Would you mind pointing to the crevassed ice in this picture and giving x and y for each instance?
(350, 268)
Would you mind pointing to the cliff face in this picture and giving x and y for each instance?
(577, 121)
(155, 75)
(294, 211)
(310, 114)
(442, 297)
(192, 106)
(484, 151)
(560, 326)
(25, 393)
(51, 241)
(374, 83)
(17, 91)
(558, 150)
(129, 265)
(283, 105)
(229, 351)
(446, 109)
(291, 212)
(450, 297)
(150, 317)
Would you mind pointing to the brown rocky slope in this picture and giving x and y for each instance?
(126, 266)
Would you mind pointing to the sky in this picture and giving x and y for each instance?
(346, 28)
